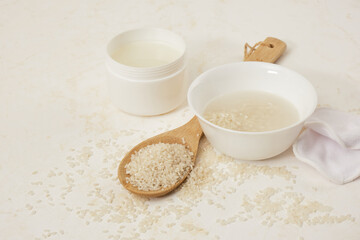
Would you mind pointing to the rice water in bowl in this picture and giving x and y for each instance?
(251, 110)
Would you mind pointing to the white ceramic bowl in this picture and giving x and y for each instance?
(256, 76)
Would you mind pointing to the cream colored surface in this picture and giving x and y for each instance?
(61, 139)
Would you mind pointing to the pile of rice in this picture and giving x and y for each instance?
(230, 119)
(239, 120)
(159, 166)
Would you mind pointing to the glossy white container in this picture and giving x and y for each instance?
(147, 91)
(249, 76)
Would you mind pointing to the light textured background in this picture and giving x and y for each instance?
(61, 139)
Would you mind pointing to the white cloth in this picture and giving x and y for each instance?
(331, 144)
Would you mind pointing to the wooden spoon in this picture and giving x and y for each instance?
(268, 50)
(190, 133)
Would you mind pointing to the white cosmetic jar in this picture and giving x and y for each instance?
(252, 76)
(149, 90)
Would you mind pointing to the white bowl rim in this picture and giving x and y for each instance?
(262, 65)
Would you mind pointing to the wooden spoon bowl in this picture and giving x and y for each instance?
(188, 134)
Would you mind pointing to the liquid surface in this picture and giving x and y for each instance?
(251, 111)
(146, 54)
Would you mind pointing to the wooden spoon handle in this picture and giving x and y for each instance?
(191, 132)
(268, 50)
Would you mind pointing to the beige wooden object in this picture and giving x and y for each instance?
(191, 132)
(267, 51)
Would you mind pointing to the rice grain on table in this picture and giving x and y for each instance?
(159, 166)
